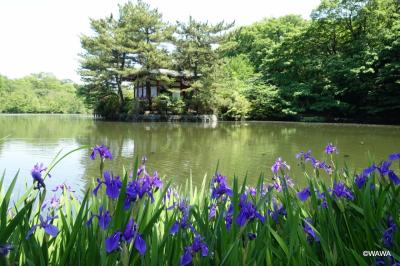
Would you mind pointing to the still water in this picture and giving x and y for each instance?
(177, 150)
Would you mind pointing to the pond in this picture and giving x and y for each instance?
(178, 150)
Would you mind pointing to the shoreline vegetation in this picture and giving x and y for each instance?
(138, 218)
(40, 93)
(341, 65)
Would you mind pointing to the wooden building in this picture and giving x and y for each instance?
(160, 81)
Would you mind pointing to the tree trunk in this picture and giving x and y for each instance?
(120, 93)
(148, 92)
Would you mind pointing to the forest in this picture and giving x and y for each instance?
(39, 93)
(341, 65)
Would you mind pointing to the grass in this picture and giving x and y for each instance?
(343, 229)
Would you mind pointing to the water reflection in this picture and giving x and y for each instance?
(177, 149)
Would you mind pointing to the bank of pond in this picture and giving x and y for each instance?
(132, 217)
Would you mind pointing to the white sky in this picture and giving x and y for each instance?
(43, 35)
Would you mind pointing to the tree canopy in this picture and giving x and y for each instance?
(39, 93)
(137, 41)
(341, 65)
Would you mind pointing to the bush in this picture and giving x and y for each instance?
(162, 103)
(266, 103)
(165, 104)
(176, 106)
(108, 107)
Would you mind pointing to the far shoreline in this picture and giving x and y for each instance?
(91, 116)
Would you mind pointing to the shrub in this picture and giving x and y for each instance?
(176, 106)
(161, 103)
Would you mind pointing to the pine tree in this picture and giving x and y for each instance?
(119, 49)
(196, 45)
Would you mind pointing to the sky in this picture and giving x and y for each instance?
(43, 35)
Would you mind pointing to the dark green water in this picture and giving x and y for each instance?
(177, 149)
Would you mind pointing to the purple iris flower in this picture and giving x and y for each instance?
(383, 261)
(329, 149)
(388, 234)
(340, 190)
(5, 249)
(281, 183)
(113, 185)
(170, 193)
(321, 165)
(183, 222)
(103, 152)
(143, 185)
(36, 173)
(395, 179)
(130, 233)
(220, 187)
(277, 186)
(132, 191)
(251, 236)
(267, 188)
(198, 245)
(251, 191)
(369, 170)
(321, 196)
(46, 225)
(384, 168)
(311, 235)
(62, 187)
(247, 211)
(112, 243)
(394, 156)
(229, 217)
(104, 218)
(277, 210)
(304, 194)
(53, 202)
(361, 179)
(279, 163)
(155, 181)
(212, 211)
(306, 156)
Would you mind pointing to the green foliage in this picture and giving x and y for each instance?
(109, 106)
(119, 48)
(177, 106)
(266, 103)
(39, 93)
(221, 91)
(195, 45)
(344, 227)
(162, 103)
(166, 103)
(343, 64)
(259, 39)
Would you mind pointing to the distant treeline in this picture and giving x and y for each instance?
(39, 93)
(342, 65)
